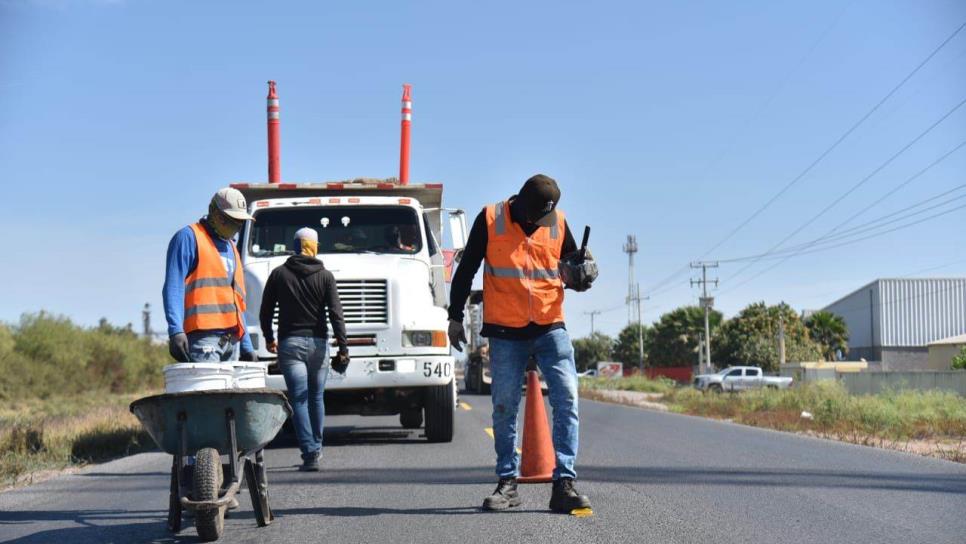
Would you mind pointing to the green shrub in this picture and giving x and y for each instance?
(49, 356)
(959, 361)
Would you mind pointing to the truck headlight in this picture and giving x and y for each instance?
(436, 339)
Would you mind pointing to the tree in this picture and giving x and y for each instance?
(959, 361)
(677, 334)
(751, 338)
(626, 350)
(830, 332)
(588, 351)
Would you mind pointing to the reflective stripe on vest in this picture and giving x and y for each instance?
(521, 284)
(212, 300)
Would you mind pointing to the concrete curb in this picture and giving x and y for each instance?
(627, 398)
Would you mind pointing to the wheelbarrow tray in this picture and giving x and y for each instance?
(259, 414)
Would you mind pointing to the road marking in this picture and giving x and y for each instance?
(465, 406)
(489, 431)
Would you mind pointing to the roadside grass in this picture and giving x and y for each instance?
(631, 383)
(925, 422)
(38, 435)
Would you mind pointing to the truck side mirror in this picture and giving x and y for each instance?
(457, 228)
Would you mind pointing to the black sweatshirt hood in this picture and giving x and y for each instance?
(304, 266)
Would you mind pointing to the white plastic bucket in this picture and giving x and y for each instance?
(249, 375)
(183, 377)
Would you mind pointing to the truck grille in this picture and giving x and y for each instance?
(364, 302)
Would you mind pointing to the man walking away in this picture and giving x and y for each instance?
(204, 287)
(304, 292)
(529, 256)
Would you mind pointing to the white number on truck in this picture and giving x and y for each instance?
(440, 370)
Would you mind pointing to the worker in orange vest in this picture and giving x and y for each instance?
(528, 255)
(204, 287)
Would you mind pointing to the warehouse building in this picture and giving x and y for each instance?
(892, 321)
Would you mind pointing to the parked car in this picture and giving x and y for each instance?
(739, 378)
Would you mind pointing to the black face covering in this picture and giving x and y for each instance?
(225, 227)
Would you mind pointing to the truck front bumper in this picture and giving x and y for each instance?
(386, 372)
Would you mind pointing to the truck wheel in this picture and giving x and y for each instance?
(440, 409)
(411, 418)
(715, 388)
(207, 481)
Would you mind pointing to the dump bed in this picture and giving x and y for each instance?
(430, 195)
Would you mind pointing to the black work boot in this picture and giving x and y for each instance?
(505, 496)
(565, 498)
(310, 465)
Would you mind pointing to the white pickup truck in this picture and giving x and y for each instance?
(381, 240)
(739, 378)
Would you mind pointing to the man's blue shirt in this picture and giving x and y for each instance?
(181, 261)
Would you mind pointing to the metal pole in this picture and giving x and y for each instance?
(640, 329)
(781, 341)
(274, 136)
(407, 121)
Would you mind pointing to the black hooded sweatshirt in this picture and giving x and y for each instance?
(304, 290)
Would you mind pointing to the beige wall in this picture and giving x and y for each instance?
(941, 355)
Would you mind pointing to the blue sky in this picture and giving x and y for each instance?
(673, 121)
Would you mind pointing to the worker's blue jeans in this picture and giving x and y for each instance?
(508, 361)
(304, 362)
(206, 347)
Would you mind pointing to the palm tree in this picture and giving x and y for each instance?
(830, 331)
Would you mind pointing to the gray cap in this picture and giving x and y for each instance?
(307, 233)
(230, 201)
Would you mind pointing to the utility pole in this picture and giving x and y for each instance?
(781, 340)
(707, 303)
(146, 319)
(630, 247)
(593, 313)
(639, 301)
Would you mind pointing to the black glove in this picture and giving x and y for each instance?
(577, 271)
(457, 336)
(341, 361)
(178, 347)
(248, 356)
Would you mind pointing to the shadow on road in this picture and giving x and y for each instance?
(364, 511)
(657, 476)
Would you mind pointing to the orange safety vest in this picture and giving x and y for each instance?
(212, 300)
(521, 283)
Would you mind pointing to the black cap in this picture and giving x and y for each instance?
(539, 197)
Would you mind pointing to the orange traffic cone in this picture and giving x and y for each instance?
(539, 459)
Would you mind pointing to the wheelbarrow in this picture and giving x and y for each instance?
(205, 425)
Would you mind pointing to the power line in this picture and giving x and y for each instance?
(835, 144)
(858, 184)
(858, 229)
(850, 242)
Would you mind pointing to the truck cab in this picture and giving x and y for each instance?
(382, 242)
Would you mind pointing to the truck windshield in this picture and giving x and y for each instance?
(341, 229)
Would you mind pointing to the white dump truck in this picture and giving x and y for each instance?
(382, 242)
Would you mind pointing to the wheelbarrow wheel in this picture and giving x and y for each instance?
(207, 481)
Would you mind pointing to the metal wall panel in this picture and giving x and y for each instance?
(915, 312)
(858, 311)
(903, 312)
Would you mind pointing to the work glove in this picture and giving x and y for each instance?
(457, 336)
(248, 356)
(341, 361)
(577, 271)
(178, 347)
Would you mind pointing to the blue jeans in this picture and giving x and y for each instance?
(508, 361)
(206, 347)
(304, 362)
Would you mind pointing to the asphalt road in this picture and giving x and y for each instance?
(652, 477)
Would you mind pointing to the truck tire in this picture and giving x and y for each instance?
(411, 418)
(207, 480)
(440, 411)
(715, 388)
